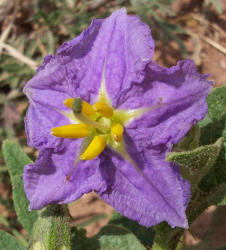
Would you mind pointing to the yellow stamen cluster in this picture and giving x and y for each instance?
(96, 120)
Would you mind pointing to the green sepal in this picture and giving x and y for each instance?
(8, 242)
(195, 164)
(16, 159)
(51, 230)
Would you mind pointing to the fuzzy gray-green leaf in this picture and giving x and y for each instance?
(195, 164)
(8, 242)
(218, 196)
(110, 237)
(114, 237)
(143, 234)
(212, 128)
(16, 159)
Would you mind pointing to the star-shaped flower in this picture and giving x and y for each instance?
(104, 117)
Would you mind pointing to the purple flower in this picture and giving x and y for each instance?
(114, 136)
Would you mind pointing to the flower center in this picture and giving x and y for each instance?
(97, 124)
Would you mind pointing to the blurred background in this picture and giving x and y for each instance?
(31, 29)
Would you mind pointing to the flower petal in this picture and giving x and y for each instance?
(158, 194)
(39, 121)
(119, 45)
(129, 48)
(181, 91)
(46, 181)
(56, 80)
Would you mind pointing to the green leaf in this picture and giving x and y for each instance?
(213, 127)
(79, 240)
(8, 242)
(13, 67)
(113, 237)
(218, 196)
(212, 186)
(217, 103)
(16, 159)
(121, 234)
(166, 237)
(195, 164)
(145, 235)
(6, 202)
(51, 230)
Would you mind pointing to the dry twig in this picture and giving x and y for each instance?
(16, 54)
(96, 4)
(209, 41)
(6, 32)
(214, 44)
(206, 22)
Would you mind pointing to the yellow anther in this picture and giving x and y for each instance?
(87, 109)
(68, 102)
(117, 132)
(71, 131)
(103, 109)
(95, 148)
